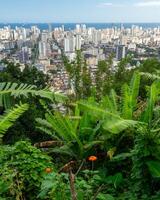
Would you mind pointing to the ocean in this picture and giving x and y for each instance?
(71, 26)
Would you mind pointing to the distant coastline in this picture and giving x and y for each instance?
(71, 26)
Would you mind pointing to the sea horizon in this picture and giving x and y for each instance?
(71, 25)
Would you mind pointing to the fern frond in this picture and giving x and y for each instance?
(65, 150)
(45, 127)
(43, 123)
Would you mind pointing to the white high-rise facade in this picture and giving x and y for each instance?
(66, 45)
(96, 36)
(78, 28)
(42, 50)
(78, 42)
(70, 44)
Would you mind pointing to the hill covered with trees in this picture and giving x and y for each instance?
(104, 145)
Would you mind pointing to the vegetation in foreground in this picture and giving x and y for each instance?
(105, 145)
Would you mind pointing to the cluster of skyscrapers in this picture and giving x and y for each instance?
(44, 48)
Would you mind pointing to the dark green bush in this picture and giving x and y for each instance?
(22, 167)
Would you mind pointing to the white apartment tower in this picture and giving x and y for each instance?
(70, 43)
(42, 50)
(78, 42)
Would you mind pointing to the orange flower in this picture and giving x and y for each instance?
(48, 170)
(92, 158)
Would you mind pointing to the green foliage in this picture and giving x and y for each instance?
(118, 125)
(8, 90)
(22, 167)
(152, 99)
(154, 167)
(33, 89)
(76, 132)
(10, 116)
(29, 75)
(104, 77)
(105, 197)
(56, 186)
(79, 76)
(111, 122)
(129, 97)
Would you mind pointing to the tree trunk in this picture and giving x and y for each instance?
(72, 185)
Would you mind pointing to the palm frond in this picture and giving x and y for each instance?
(150, 76)
(15, 90)
(65, 150)
(10, 116)
(45, 127)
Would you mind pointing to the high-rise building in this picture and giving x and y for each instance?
(120, 52)
(44, 36)
(66, 45)
(70, 43)
(84, 28)
(50, 30)
(96, 36)
(63, 28)
(42, 50)
(78, 28)
(78, 42)
(24, 55)
(24, 33)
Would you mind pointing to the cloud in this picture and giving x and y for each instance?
(101, 5)
(109, 4)
(148, 3)
(142, 3)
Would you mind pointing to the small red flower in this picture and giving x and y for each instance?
(48, 170)
(92, 158)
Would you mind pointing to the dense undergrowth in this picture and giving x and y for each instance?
(104, 145)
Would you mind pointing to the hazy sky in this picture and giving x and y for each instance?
(79, 10)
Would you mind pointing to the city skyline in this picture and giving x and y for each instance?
(71, 11)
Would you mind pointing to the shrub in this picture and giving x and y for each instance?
(22, 167)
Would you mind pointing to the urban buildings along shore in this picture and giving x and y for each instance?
(44, 48)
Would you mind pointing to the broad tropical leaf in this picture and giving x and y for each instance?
(116, 180)
(129, 96)
(134, 87)
(110, 121)
(152, 98)
(154, 167)
(105, 197)
(113, 97)
(126, 102)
